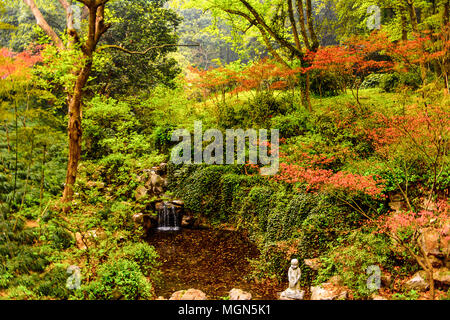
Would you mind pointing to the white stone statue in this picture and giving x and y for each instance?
(294, 275)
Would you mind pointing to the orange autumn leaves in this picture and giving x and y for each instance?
(261, 75)
(17, 65)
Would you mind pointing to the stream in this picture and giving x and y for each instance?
(211, 260)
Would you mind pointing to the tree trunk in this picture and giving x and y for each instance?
(404, 25)
(294, 25)
(75, 131)
(302, 23)
(307, 94)
(312, 32)
(413, 16)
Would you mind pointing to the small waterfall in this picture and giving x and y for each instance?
(168, 218)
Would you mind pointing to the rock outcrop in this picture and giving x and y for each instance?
(327, 291)
(190, 294)
(418, 282)
(238, 294)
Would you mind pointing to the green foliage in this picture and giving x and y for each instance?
(265, 106)
(114, 137)
(324, 84)
(291, 125)
(389, 82)
(17, 254)
(53, 284)
(138, 25)
(141, 253)
(60, 238)
(351, 258)
(373, 80)
(409, 295)
(119, 279)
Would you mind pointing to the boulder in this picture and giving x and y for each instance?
(418, 282)
(187, 221)
(155, 183)
(238, 294)
(79, 240)
(190, 294)
(442, 276)
(177, 202)
(141, 192)
(397, 202)
(434, 243)
(289, 294)
(325, 291)
(143, 220)
(159, 205)
(436, 262)
(138, 218)
(96, 235)
(378, 297)
(163, 167)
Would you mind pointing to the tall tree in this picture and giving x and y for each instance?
(87, 43)
(270, 19)
(138, 23)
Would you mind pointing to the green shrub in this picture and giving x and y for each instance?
(60, 238)
(143, 254)
(119, 279)
(162, 135)
(264, 106)
(291, 125)
(389, 82)
(373, 80)
(351, 258)
(257, 205)
(199, 187)
(233, 116)
(324, 84)
(53, 284)
(409, 295)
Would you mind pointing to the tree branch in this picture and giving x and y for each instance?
(146, 50)
(294, 24)
(41, 22)
(283, 42)
(263, 32)
(301, 14)
(312, 33)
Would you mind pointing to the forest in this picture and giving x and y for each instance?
(116, 182)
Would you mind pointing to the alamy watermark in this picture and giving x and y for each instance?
(75, 10)
(235, 140)
(374, 21)
(74, 280)
(374, 279)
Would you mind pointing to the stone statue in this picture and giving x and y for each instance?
(294, 275)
